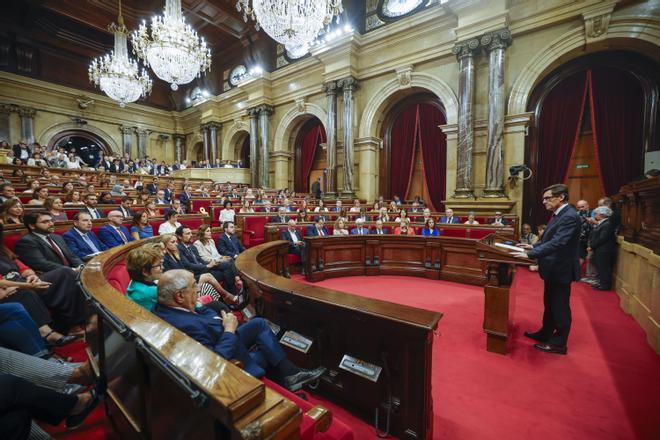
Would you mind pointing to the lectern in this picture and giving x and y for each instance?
(500, 270)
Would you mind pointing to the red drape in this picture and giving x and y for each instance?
(403, 142)
(617, 103)
(310, 142)
(434, 152)
(559, 126)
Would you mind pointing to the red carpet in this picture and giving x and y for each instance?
(608, 387)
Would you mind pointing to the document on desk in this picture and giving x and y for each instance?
(509, 247)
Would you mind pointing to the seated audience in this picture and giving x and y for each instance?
(170, 225)
(114, 233)
(340, 227)
(7, 192)
(296, 243)
(281, 216)
(91, 201)
(39, 196)
(471, 220)
(393, 208)
(426, 215)
(72, 197)
(206, 248)
(150, 208)
(12, 212)
(33, 185)
(303, 217)
(141, 228)
(356, 206)
(378, 230)
(228, 244)
(404, 229)
(177, 207)
(160, 198)
(602, 242)
(447, 218)
(430, 230)
(80, 238)
(106, 198)
(363, 215)
(125, 207)
(318, 229)
(144, 265)
(54, 206)
(177, 293)
(403, 215)
(337, 207)
(527, 236)
(499, 220)
(359, 228)
(384, 215)
(321, 207)
(246, 208)
(227, 213)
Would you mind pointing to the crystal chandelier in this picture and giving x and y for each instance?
(173, 50)
(294, 23)
(117, 75)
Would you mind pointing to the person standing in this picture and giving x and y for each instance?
(602, 243)
(557, 253)
(316, 188)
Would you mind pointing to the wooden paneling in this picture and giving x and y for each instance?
(639, 203)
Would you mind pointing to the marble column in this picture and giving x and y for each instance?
(143, 136)
(27, 123)
(5, 111)
(330, 188)
(254, 141)
(465, 53)
(126, 140)
(495, 44)
(205, 138)
(264, 122)
(214, 130)
(178, 147)
(348, 86)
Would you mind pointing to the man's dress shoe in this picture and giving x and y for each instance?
(537, 336)
(297, 381)
(552, 348)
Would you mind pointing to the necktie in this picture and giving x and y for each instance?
(321, 232)
(57, 250)
(121, 234)
(93, 213)
(448, 219)
(90, 243)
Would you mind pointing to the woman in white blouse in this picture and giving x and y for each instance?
(72, 162)
(227, 214)
(170, 224)
(321, 207)
(205, 245)
(340, 228)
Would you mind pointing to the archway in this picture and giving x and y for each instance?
(85, 144)
(414, 154)
(242, 149)
(55, 133)
(197, 153)
(595, 118)
(310, 156)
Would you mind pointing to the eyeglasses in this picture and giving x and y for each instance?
(548, 198)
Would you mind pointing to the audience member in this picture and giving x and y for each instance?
(281, 216)
(359, 228)
(144, 265)
(140, 227)
(125, 207)
(527, 236)
(339, 227)
(39, 196)
(170, 224)
(12, 212)
(90, 206)
(7, 192)
(430, 230)
(499, 220)
(318, 229)
(227, 213)
(72, 197)
(403, 215)
(54, 206)
(206, 248)
(80, 238)
(471, 220)
(378, 230)
(602, 242)
(448, 217)
(296, 243)
(404, 228)
(114, 233)
(33, 185)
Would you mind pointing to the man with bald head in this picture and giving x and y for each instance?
(80, 238)
(177, 305)
(114, 233)
(296, 243)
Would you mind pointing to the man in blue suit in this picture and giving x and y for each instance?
(449, 217)
(114, 234)
(228, 244)
(559, 265)
(359, 229)
(177, 297)
(81, 240)
(318, 229)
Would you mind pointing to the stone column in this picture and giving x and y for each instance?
(178, 147)
(205, 137)
(254, 140)
(5, 110)
(143, 136)
(366, 150)
(495, 44)
(264, 172)
(126, 139)
(214, 130)
(330, 189)
(465, 53)
(348, 85)
(27, 123)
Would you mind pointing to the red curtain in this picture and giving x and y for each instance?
(403, 141)
(310, 142)
(434, 152)
(559, 126)
(617, 103)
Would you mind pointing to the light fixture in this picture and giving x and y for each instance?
(173, 50)
(116, 74)
(292, 23)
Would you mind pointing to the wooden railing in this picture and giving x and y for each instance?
(639, 203)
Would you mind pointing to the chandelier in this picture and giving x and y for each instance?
(173, 50)
(118, 76)
(294, 23)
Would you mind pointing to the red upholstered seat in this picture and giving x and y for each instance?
(118, 277)
(200, 203)
(478, 234)
(96, 229)
(254, 231)
(453, 232)
(10, 239)
(192, 223)
(155, 225)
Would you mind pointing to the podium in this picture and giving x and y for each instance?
(500, 270)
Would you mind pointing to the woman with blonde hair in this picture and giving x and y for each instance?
(12, 212)
(340, 227)
(54, 205)
(73, 198)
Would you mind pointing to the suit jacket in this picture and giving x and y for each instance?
(277, 219)
(454, 219)
(502, 220)
(168, 195)
(316, 189)
(286, 235)
(185, 198)
(152, 188)
(126, 213)
(602, 238)
(99, 213)
(191, 260)
(111, 238)
(169, 262)
(79, 246)
(17, 151)
(384, 231)
(558, 249)
(355, 231)
(229, 246)
(36, 253)
(312, 231)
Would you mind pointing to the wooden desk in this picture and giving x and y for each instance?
(395, 337)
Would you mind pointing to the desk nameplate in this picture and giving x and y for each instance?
(361, 368)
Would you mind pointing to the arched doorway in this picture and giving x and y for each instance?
(242, 148)
(310, 154)
(595, 119)
(197, 153)
(85, 144)
(414, 154)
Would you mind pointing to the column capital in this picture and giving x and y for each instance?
(142, 131)
(177, 137)
(8, 108)
(26, 111)
(500, 39)
(253, 112)
(212, 125)
(330, 88)
(265, 109)
(163, 137)
(467, 48)
(126, 129)
(348, 84)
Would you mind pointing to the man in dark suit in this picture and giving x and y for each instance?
(22, 151)
(281, 216)
(359, 229)
(169, 192)
(378, 230)
(177, 298)
(114, 233)
(449, 217)
(318, 229)
(557, 253)
(125, 207)
(40, 248)
(499, 220)
(91, 200)
(602, 242)
(81, 240)
(316, 188)
(153, 186)
(186, 195)
(228, 244)
(296, 243)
